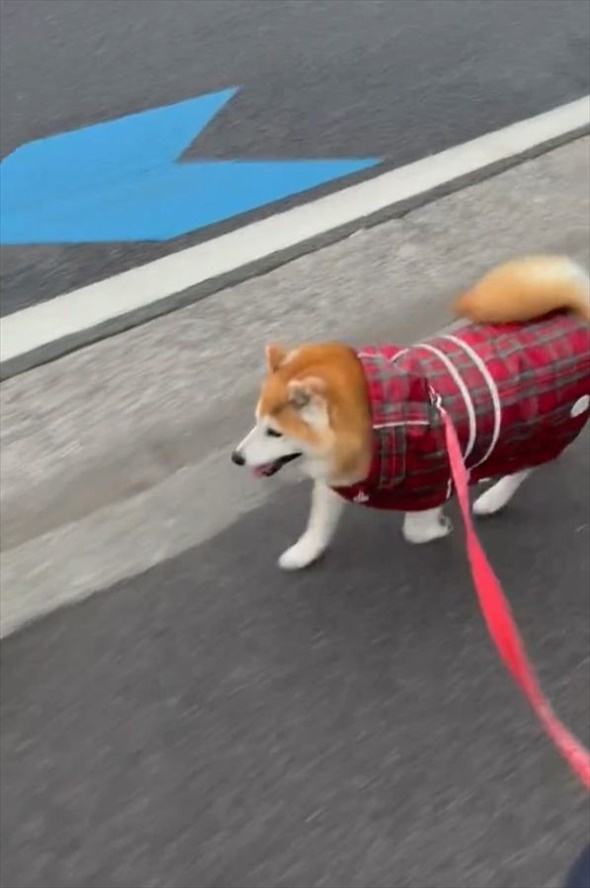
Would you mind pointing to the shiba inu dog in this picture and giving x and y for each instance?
(363, 424)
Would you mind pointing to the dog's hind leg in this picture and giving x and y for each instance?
(424, 527)
(326, 508)
(500, 494)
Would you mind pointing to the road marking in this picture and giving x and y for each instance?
(82, 310)
(121, 180)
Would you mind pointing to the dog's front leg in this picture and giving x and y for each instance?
(424, 527)
(326, 508)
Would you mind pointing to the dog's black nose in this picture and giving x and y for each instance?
(237, 458)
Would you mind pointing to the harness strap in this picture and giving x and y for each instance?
(500, 622)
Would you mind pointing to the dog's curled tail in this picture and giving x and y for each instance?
(525, 289)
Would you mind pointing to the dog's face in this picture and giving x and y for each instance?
(292, 418)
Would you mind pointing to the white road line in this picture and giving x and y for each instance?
(86, 308)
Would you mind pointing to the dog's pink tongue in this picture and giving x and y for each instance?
(259, 472)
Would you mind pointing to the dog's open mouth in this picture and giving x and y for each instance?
(272, 468)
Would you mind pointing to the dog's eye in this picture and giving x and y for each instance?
(272, 433)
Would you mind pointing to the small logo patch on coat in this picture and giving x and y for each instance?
(580, 406)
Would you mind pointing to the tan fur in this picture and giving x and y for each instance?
(526, 289)
(331, 375)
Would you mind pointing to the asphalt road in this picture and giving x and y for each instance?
(217, 723)
(397, 79)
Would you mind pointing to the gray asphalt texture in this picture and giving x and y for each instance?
(398, 79)
(215, 722)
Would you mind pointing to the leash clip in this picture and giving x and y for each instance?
(435, 398)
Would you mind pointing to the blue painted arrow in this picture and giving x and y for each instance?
(122, 180)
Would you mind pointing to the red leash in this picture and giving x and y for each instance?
(500, 622)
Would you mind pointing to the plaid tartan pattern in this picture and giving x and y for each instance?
(509, 390)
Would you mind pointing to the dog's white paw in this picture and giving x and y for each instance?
(301, 555)
(418, 531)
(500, 494)
(490, 502)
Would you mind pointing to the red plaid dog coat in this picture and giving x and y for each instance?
(517, 395)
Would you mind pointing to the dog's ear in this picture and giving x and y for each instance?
(303, 392)
(274, 355)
